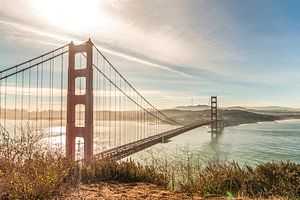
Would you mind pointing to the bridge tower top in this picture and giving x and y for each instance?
(85, 99)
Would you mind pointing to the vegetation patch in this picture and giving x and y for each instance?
(190, 173)
(265, 180)
(30, 170)
(124, 171)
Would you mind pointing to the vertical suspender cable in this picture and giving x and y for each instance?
(22, 101)
(144, 121)
(99, 100)
(37, 97)
(136, 117)
(103, 100)
(5, 108)
(52, 86)
(61, 96)
(126, 114)
(110, 107)
(49, 112)
(15, 124)
(41, 92)
(115, 118)
(120, 114)
(1, 99)
(29, 95)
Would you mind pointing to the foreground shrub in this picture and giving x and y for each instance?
(265, 180)
(28, 170)
(31, 170)
(126, 171)
(191, 173)
(218, 178)
(39, 177)
(280, 179)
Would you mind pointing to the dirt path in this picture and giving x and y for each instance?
(136, 191)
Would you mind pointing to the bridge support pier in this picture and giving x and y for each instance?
(163, 140)
(217, 123)
(220, 125)
(214, 114)
(74, 130)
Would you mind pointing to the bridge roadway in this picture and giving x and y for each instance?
(123, 151)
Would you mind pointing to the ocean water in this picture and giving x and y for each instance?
(246, 144)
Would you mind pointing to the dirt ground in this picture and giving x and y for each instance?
(122, 191)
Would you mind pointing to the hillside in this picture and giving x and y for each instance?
(231, 117)
(193, 108)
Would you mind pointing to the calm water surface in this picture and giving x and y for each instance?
(249, 143)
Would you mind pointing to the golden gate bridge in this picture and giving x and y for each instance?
(74, 94)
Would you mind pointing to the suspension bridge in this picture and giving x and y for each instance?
(74, 95)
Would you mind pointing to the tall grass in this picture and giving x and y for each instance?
(265, 180)
(125, 171)
(28, 170)
(191, 173)
(31, 170)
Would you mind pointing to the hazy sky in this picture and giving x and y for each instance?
(246, 52)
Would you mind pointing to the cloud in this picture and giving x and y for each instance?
(61, 38)
(26, 30)
(142, 33)
(232, 45)
(144, 62)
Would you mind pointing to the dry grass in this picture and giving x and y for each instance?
(126, 172)
(265, 180)
(190, 173)
(27, 170)
(30, 170)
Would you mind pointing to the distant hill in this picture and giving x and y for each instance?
(236, 108)
(252, 109)
(231, 117)
(193, 108)
(274, 108)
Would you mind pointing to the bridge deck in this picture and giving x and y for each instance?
(134, 147)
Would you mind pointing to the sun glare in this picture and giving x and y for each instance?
(71, 15)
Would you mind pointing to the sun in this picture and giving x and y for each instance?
(70, 15)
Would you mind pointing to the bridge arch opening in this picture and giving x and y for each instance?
(80, 86)
(80, 115)
(80, 60)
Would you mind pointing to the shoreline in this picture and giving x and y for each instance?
(262, 122)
